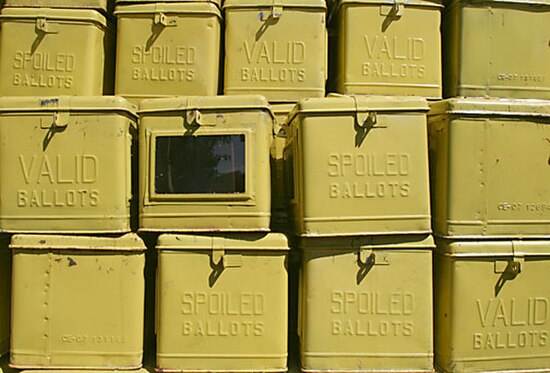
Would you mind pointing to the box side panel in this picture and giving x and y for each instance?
(5, 296)
(499, 319)
(66, 59)
(77, 309)
(364, 179)
(282, 58)
(389, 55)
(213, 318)
(153, 60)
(60, 178)
(367, 317)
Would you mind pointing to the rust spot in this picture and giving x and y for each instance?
(42, 242)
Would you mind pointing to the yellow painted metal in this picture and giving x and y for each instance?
(279, 215)
(386, 48)
(492, 306)
(222, 303)
(497, 48)
(77, 302)
(366, 304)
(5, 286)
(204, 164)
(100, 5)
(66, 164)
(358, 165)
(275, 48)
(167, 49)
(490, 163)
(54, 52)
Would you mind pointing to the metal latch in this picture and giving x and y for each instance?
(194, 117)
(44, 26)
(275, 11)
(512, 266)
(60, 117)
(223, 259)
(365, 118)
(397, 9)
(368, 257)
(161, 19)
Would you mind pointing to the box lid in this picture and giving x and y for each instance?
(334, 103)
(393, 242)
(427, 3)
(184, 103)
(484, 249)
(66, 103)
(321, 4)
(489, 2)
(238, 241)
(487, 106)
(55, 14)
(81, 4)
(179, 7)
(119, 2)
(127, 242)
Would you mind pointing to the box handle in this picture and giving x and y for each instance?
(44, 26)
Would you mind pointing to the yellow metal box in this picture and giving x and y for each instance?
(492, 306)
(366, 304)
(204, 164)
(222, 303)
(275, 48)
(279, 216)
(77, 302)
(358, 165)
(100, 5)
(66, 164)
(386, 48)
(490, 162)
(496, 48)
(5, 285)
(167, 49)
(49, 51)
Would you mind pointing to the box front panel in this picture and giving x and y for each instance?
(282, 58)
(507, 56)
(74, 176)
(77, 309)
(154, 60)
(494, 320)
(212, 318)
(208, 177)
(361, 316)
(495, 189)
(363, 180)
(66, 59)
(5, 286)
(391, 54)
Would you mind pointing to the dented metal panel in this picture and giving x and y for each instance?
(496, 49)
(358, 165)
(204, 164)
(490, 165)
(49, 51)
(77, 302)
(5, 290)
(60, 157)
(366, 304)
(492, 305)
(396, 52)
(167, 49)
(275, 48)
(218, 289)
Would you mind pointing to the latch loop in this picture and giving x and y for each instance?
(369, 257)
(42, 25)
(162, 19)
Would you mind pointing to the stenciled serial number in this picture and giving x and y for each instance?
(519, 206)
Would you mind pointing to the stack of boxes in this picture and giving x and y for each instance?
(78, 286)
(357, 172)
(489, 146)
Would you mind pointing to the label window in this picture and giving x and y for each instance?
(200, 164)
